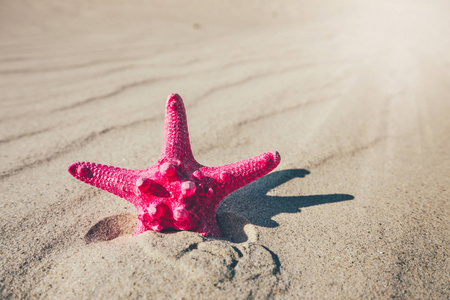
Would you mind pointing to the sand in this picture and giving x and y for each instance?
(354, 96)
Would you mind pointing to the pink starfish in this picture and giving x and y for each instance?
(177, 192)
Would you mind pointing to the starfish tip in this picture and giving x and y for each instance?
(73, 169)
(80, 170)
(273, 158)
(174, 100)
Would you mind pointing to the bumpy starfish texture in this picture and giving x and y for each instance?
(177, 192)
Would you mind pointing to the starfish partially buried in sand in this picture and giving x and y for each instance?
(177, 192)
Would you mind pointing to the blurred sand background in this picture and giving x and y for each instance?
(353, 94)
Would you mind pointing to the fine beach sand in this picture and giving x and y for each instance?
(355, 96)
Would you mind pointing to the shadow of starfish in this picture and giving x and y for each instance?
(252, 203)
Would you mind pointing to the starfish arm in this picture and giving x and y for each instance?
(176, 143)
(234, 176)
(118, 181)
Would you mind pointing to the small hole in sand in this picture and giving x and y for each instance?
(111, 227)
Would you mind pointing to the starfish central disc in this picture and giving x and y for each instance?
(177, 192)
